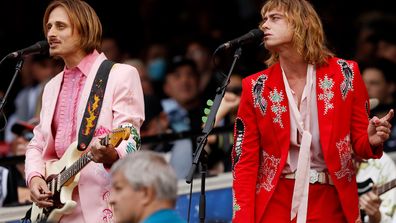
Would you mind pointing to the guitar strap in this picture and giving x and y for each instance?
(94, 105)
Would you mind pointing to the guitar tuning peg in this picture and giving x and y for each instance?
(126, 125)
(209, 102)
(204, 119)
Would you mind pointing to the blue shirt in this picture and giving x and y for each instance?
(164, 216)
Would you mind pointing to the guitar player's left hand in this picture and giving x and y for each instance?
(370, 203)
(103, 154)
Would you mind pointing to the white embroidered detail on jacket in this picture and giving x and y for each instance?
(239, 135)
(267, 170)
(235, 205)
(276, 107)
(347, 83)
(257, 92)
(326, 84)
(345, 153)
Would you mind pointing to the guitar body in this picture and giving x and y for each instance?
(62, 177)
(63, 203)
(367, 185)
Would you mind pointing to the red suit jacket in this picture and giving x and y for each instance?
(262, 135)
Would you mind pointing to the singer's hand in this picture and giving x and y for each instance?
(379, 129)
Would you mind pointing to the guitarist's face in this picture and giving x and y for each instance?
(128, 204)
(62, 36)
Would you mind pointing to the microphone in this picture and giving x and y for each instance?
(252, 36)
(39, 47)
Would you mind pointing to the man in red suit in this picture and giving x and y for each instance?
(299, 121)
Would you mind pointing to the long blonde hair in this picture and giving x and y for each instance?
(308, 38)
(83, 18)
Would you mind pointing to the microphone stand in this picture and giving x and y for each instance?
(200, 155)
(18, 68)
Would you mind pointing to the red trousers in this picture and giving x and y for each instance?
(323, 204)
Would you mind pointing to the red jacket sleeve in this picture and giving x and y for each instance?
(360, 119)
(245, 157)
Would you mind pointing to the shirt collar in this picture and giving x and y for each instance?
(85, 64)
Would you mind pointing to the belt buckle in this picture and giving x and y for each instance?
(313, 176)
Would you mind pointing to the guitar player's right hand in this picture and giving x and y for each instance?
(39, 192)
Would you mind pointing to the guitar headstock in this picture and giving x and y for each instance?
(116, 136)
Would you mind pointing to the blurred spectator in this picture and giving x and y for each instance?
(387, 38)
(155, 58)
(17, 191)
(229, 105)
(144, 78)
(367, 38)
(111, 49)
(221, 145)
(377, 208)
(156, 121)
(28, 101)
(200, 52)
(178, 153)
(379, 77)
(144, 189)
(183, 106)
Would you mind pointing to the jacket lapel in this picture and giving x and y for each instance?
(87, 89)
(278, 108)
(53, 100)
(325, 94)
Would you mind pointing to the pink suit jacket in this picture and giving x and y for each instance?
(262, 136)
(123, 103)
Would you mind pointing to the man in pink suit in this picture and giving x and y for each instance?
(299, 121)
(73, 31)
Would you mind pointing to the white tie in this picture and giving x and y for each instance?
(301, 184)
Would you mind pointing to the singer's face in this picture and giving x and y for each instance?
(63, 40)
(278, 33)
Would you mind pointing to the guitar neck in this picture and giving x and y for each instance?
(70, 172)
(385, 187)
(114, 138)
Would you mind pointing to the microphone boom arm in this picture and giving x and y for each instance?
(200, 155)
(18, 68)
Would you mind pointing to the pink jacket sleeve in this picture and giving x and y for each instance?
(34, 163)
(128, 105)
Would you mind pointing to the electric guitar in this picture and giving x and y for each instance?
(367, 185)
(62, 177)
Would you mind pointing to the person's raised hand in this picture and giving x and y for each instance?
(379, 129)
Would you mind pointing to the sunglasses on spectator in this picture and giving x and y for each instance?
(235, 90)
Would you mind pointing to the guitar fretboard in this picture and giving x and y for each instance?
(385, 187)
(113, 138)
(74, 169)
